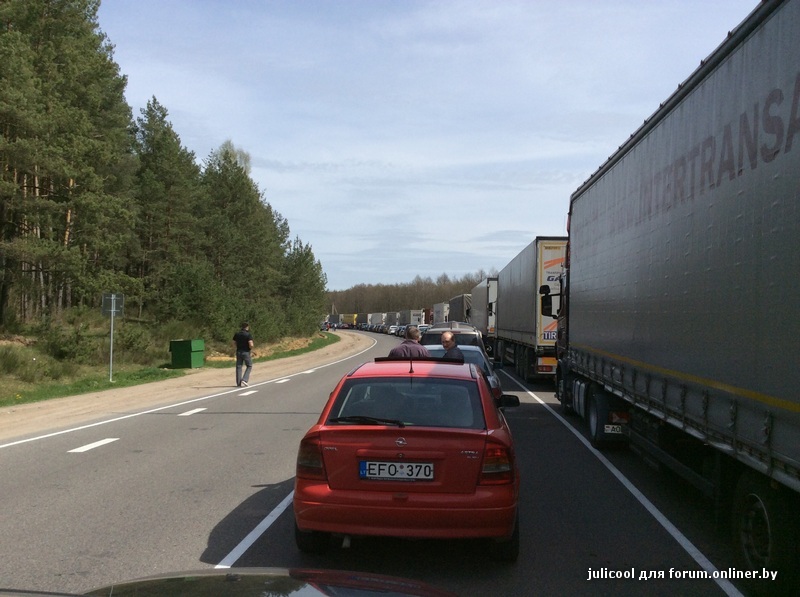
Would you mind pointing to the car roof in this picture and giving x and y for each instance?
(416, 367)
(462, 347)
(453, 325)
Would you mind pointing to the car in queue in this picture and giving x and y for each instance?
(477, 356)
(464, 333)
(412, 448)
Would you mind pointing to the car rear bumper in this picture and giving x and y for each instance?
(490, 512)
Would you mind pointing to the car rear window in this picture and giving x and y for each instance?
(428, 402)
(435, 337)
(470, 356)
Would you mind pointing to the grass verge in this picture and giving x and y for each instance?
(95, 379)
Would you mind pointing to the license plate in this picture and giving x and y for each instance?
(395, 471)
(613, 429)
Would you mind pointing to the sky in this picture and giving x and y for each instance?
(404, 138)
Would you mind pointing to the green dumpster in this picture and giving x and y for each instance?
(187, 354)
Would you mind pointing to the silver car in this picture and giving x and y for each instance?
(476, 356)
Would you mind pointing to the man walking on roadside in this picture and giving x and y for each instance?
(243, 341)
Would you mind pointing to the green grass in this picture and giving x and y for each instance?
(22, 380)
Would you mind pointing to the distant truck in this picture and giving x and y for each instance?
(525, 338)
(441, 312)
(482, 312)
(377, 318)
(459, 308)
(679, 319)
(411, 317)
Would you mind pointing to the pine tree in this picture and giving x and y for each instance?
(66, 154)
(167, 194)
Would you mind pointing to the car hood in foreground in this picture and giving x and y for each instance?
(257, 582)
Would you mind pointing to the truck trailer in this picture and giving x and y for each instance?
(525, 338)
(441, 313)
(459, 308)
(482, 314)
(410, 317)
(679, 315)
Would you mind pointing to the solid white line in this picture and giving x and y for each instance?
(249, 392)
(682, 540)
(88, 447)
(189, 413)
(155, 410)
(253, 536)
(282, 380)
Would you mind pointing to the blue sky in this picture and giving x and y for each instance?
(402, 138)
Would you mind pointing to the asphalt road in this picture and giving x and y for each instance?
(206, 482)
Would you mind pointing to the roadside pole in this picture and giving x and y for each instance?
(112, 304)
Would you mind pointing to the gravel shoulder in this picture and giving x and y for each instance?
(39, 417)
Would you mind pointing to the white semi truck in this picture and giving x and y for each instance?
(525, 338)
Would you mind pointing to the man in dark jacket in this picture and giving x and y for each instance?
(451, 349)
(243, 341)
(410, 347)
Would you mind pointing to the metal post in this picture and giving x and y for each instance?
(111, 354)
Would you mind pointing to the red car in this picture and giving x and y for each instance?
(410, 448)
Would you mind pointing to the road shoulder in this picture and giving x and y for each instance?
(39, 417)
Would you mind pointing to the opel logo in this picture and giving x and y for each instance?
(400, 441)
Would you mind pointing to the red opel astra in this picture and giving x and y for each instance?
(410, 448)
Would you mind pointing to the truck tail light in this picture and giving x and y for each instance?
(310, 464)
(498, 466)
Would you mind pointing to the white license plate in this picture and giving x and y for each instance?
(395, 471)
(613, 429)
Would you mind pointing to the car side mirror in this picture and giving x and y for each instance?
(507, 400)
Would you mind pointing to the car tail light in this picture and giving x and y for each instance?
(309, 460)
(498, 466)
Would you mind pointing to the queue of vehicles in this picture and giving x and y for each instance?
(668, 317)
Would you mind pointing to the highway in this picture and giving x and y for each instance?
(206, 482)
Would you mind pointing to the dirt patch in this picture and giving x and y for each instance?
(7, 340)
(39, 417)
(265, 351)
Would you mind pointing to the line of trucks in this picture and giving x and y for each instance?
(669, 317)
(505, 309)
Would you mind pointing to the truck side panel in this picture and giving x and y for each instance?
(518, 315)
(684, 257)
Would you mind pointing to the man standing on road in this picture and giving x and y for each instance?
(243, 341)
(451, 349)
(410, 347)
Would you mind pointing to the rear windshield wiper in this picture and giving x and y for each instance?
(361, 419)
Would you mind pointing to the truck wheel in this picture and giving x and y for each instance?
(561, 393)
(311, 541)
(594, 410)
(765, 532)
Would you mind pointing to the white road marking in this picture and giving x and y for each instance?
(249, 392)
(189, 413)
(682, 540)
(282, 380)
(253, 535)
(160, 408)
(88, 447)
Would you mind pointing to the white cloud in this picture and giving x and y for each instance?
(415, 137)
